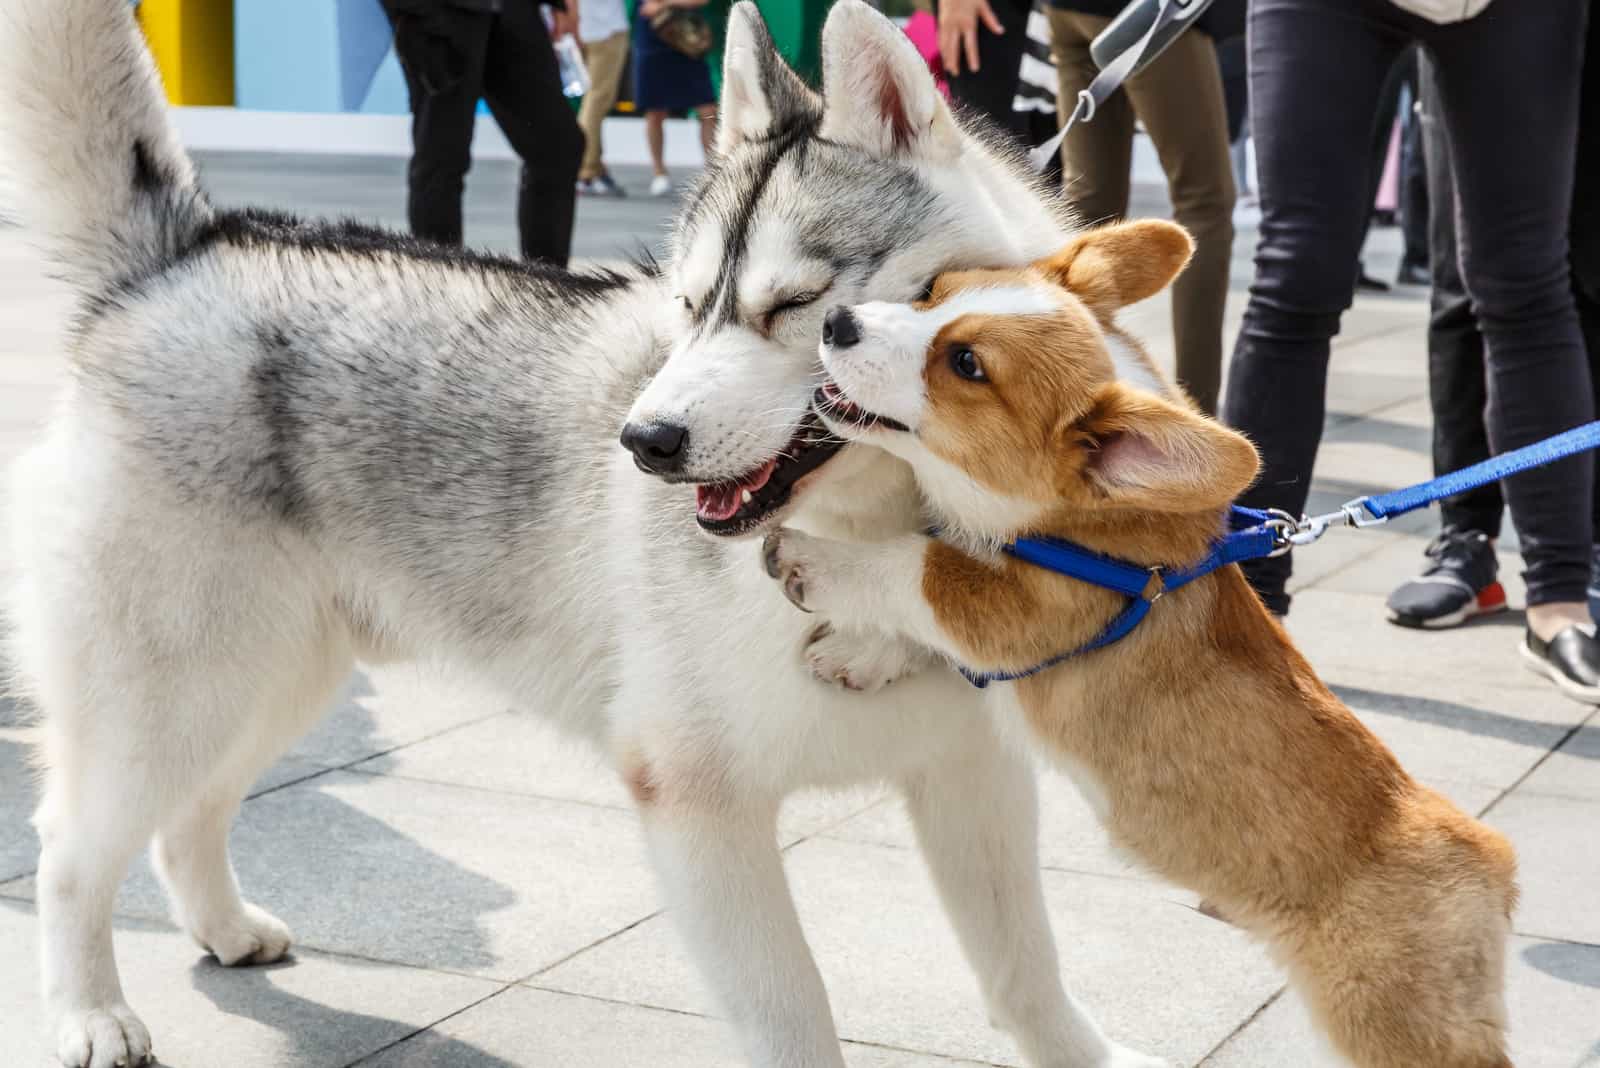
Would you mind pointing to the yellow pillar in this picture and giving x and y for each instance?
(192, 41)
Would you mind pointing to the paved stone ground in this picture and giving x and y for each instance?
(470, 892)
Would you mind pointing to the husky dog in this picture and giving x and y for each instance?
(286, 446)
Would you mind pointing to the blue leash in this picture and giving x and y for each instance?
(1253, 534)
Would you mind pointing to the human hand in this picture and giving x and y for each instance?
(564, 22)
(958, 31)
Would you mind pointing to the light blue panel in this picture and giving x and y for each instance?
(387, 96)
(364, 39)
(286, 55)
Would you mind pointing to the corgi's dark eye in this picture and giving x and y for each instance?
(965, 364)
(927, 290)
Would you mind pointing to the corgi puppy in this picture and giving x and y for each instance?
(1207, 744)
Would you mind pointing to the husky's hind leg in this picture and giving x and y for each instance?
(190, 851)
(976, 820)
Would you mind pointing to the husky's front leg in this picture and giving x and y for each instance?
(976, 819)
(715, 850)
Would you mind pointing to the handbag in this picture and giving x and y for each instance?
(1442, 11)
(683, 31)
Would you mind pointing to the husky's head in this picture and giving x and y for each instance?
(864, 194)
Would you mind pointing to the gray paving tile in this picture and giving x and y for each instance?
(543, 1029)
(1552, 990)
(19, 846)
(1571, 771)
(1345, 636)
(1070, 837)
(1157, 974)
(314, 1011)
(433, 876)
(1558, 864)
(384, 707)
(520, 754)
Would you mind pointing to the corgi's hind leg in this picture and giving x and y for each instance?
(1412, 984)
(190, 850)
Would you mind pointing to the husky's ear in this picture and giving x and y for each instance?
(760, 94)
(1113, 266)
(1137, 450)
(878, 94)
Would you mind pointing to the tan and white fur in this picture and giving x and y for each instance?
(1210, 748)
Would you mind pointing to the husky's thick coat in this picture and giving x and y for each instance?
(286, 446)
(1212, 751)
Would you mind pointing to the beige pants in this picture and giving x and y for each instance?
(605, 59)
(1179, 100)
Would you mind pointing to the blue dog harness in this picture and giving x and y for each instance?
(1253, 534)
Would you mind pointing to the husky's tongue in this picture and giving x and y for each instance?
(722, 501)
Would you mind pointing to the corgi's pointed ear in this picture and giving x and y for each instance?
(1113, 266)
(878, 94)
(1137, 450)
(760, 94)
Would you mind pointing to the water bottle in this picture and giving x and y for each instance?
(574, 75)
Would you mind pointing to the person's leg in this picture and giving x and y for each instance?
(1512, 229)
(1456, 384)
(522, 84)
(605, 60)
(442, 56)
(1179, 99)
(1313, 185)
(655, 136)
(1413, 183)
(1459, 578)
(1097, 156)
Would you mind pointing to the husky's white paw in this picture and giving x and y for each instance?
(111, 1037)
(1123, 1057)
(864, 660)
(254, 936)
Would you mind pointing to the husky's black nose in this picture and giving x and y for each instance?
(840, 329)
(657, 447)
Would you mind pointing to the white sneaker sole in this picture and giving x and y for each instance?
(1588, 695)
(1470, 610)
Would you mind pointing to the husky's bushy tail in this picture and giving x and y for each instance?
(89, 162)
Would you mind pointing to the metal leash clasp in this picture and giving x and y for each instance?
(1289, 532)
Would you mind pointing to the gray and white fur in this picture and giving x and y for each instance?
(286, 446)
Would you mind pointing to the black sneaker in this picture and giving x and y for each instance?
(1459, 582)
(1571, 660)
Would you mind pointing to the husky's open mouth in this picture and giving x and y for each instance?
(830, 402)
(729, 509)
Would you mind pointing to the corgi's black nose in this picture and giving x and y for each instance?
(840, 329)
(658, 448)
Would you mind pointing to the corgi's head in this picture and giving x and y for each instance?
(1017, 402)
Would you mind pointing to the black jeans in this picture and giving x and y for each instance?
(1316, 70)
(1457, 388)
(451, 58)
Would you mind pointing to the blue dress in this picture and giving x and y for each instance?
(665, 79)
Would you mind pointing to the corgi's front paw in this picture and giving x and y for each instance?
(800, 562)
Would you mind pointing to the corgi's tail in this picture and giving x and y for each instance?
(89, 162)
